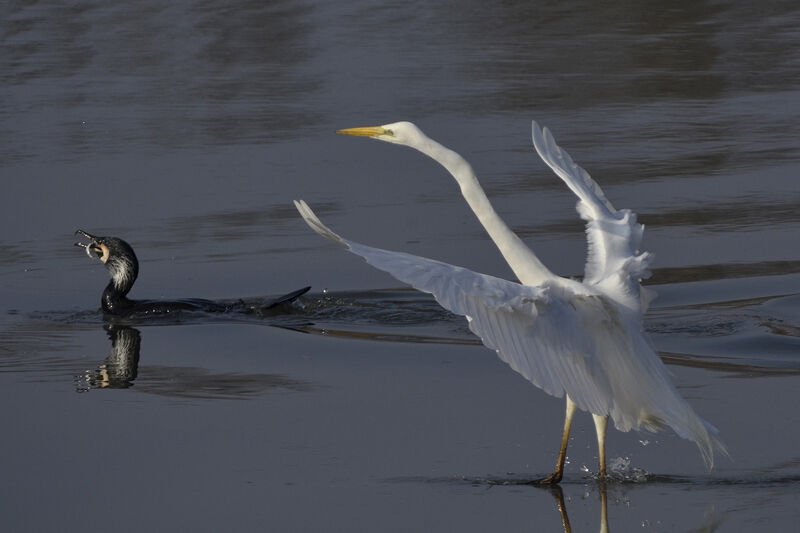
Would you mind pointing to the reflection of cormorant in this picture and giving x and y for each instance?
(122, 363)
(123, 267)
(121, 368)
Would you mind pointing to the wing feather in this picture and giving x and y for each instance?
(614, 263)
(538, 336)
(559, 340)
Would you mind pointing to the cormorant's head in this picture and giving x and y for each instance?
(118, 257)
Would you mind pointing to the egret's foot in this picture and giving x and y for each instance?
(552, 479)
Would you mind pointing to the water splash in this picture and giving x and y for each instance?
(620, 469)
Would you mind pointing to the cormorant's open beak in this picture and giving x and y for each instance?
(87, 235)
(376, 131)
(94, 245)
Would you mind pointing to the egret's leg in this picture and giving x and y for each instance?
(555, 477)
(600, 424)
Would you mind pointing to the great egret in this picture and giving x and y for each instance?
(583, 339)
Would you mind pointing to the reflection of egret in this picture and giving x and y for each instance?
(582, 339)
(558, 495)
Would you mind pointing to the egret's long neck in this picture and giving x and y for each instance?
(526, 266)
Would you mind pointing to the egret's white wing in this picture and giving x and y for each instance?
(559, 339)
(539, 334)
(614, 264)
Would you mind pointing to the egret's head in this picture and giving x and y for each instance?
(398, 132)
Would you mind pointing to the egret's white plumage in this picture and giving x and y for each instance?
(582, 339)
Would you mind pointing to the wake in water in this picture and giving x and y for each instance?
(752, 336)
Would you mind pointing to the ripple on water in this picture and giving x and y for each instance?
(750, 336)
(753, 335)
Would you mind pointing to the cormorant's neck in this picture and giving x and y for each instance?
(114, 300)
(123, 269)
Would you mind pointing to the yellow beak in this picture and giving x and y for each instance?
(364, 132)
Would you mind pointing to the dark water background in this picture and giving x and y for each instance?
(187, 128)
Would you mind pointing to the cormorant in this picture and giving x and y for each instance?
(123, 267)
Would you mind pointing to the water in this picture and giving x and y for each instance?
(187, 129)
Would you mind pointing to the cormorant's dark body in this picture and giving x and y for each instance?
(123, 267)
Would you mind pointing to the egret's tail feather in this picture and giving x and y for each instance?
(711, 445)
(690, 426)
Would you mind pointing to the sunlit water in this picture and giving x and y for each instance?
(188, 129)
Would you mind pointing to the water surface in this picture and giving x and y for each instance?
(188, 129)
